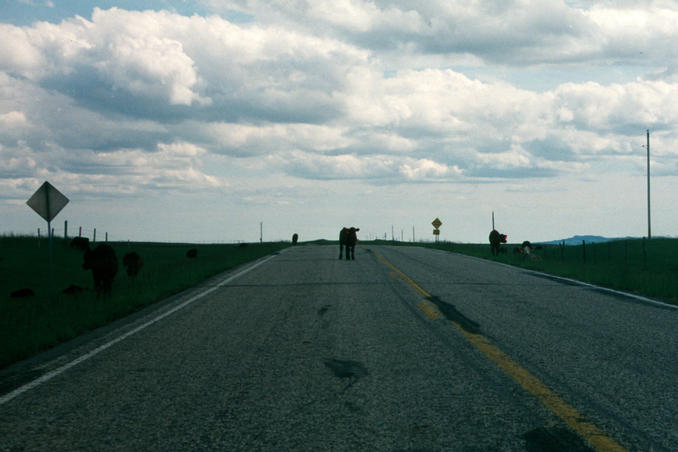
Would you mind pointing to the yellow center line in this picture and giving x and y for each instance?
(573, 418)
(403, 276)
(430, 309)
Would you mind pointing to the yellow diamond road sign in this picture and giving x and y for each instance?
(47, 201)
(437, 223)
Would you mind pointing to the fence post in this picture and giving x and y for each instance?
(583, 247)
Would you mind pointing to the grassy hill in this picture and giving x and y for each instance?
(29, 325)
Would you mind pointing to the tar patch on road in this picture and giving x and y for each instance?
(554, 439)
(346, 369)
(451, 313)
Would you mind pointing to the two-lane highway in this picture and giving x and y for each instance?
(306, 352)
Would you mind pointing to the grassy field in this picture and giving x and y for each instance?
(648, 268)
(29, 325)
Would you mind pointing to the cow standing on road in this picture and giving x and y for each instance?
(496, 239)
(348, 239)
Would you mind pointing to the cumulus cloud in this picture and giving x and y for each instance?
(379, 169)
(124, 49)
(312, 87)
(617, 107)
(127, 172)
(515, 32)
(173, 166)
(13, 120)
(250, 139)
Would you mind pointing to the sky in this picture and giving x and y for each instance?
(226, 121)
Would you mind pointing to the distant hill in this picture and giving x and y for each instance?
(577, 239)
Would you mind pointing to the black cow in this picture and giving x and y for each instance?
(295, 238)
(192, 253)
(133, 262)
(348, 239)
(80, 243)
(104, 265)
(73, 289)
(496, 239)
(22, 293)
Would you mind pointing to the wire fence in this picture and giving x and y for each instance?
(633, 252)
(68, 231)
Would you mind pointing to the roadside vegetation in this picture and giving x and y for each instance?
(30, 325)
(642, 267)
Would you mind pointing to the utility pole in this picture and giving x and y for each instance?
(261, 232)
(649, 226)
(493, 220)
(392, 234)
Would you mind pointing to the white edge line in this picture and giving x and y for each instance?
(581, 283)
(58, 371)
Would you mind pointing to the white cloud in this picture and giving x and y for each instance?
(378, 168)
(173, 166)
(618, 107)
(377, 93)
(18, 54)
(516, 33)
(246, 139)
(13, 119)
(425, 169)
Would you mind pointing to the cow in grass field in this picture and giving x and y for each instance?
(348, 240)
(104, 265)
(133, 263)
(496, 239)
(80, 243)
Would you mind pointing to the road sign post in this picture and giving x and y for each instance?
(436, 224)
(47, 202)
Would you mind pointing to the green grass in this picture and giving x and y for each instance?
(621, 264)
(30, 325)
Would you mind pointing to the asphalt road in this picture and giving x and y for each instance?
(306, 352)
